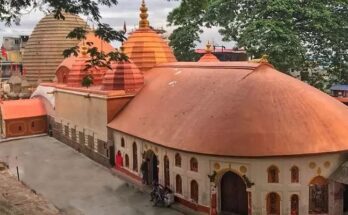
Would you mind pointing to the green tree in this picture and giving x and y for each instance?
(293, 33)
(189, 17)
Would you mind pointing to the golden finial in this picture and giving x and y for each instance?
(264, 59)
(83, 49)
(143, 23)
(208, 47)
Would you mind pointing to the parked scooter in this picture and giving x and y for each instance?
(161, 196)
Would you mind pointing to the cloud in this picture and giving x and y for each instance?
(126, 11)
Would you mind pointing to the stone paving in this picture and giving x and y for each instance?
(72, 182)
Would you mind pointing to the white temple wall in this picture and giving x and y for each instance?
(254, 168)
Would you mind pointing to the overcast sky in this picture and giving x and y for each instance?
(126, 10)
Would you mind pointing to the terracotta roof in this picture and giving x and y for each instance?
(234, 109)
(44, 50)
(208, 57)
(123, 76)
(146, 49)
(74, 67)
(18, 109)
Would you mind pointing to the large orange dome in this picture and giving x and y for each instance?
(145, 47)
(43, 52)
(239, 109)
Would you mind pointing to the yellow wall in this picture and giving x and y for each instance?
(86, 113)
(14, 56)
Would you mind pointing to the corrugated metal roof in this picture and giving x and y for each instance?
(339, 87)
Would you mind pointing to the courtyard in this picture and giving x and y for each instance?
(72, 182)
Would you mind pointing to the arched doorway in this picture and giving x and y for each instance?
(234, 197)
(119, 160)
(273, 204)
(135, 157)
(294, 204)
(62, 75)
(152, 166)
(318, 196)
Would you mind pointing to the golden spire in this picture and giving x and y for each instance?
(264, 58)
(143, 23)
(208, 47)
(84, 49)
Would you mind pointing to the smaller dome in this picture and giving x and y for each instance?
(123, 76)
(208, 56)
(77, 71)
(72, 70)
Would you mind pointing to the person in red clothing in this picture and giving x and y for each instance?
(119, 160)
(3, 52)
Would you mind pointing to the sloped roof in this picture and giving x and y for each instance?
(18, 109)
(239, 109)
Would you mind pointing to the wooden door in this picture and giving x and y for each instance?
(273, 204)
(234, 198)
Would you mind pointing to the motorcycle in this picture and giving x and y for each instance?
(161, 195)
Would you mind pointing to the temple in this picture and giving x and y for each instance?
(227, 137)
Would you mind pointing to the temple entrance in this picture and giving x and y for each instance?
(152, 167)
(234, 197)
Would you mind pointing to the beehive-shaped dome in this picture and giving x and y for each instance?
(145, 47)
(43, 52)
(123, 76)
(208, 56)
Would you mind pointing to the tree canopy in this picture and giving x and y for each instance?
(297, 35)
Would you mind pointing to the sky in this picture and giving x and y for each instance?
(126, 11)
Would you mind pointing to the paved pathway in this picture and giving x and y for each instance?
(73, 182)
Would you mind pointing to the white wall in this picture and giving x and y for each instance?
(256, 172)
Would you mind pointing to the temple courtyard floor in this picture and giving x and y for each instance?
(72, 182)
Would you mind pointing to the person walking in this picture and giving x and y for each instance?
(144, 170)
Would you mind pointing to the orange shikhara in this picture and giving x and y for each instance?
(145, 47)
(208, 56)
